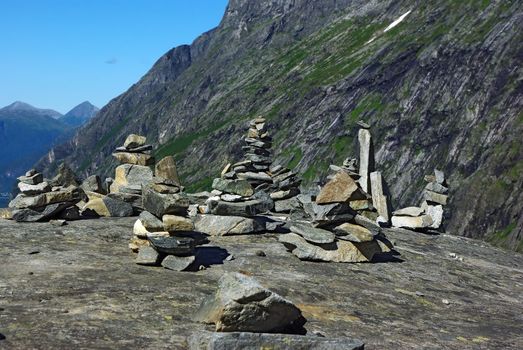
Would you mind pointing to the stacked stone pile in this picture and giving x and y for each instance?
(42, 200)
(336, 232)
(125, 192)
(430, 214)
(242, 188)
(285, 189)
(164, 234)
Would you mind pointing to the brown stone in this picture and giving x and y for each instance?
(353, 233)
(133, 141)
(341, 188)
(166, 169)
(177, 223)
(134, 158)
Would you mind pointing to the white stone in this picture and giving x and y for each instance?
(366, 158)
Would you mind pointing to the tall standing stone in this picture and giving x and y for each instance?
(166, 169)
(379, 199)
(366, 158)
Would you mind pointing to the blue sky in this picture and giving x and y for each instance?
(58, 53)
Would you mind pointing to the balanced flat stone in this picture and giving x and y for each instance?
(202, 340)
(255, 176)
(436, 187)
(180, 246)
(435, 197)
(31, 190)
(418, 222)
(34, 179)
(312, 234)
(177, 223)
(241, 304)
(379, 200)
(133, 141)
(409, 211)
(217, 225)
(341, 188)
(147, 256)
(166, 169)
(353, 233)
(134, 158)
(139, 149)
(178, 263)
(239, 187)
(366, 158)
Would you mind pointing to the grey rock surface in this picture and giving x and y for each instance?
(87, 292)
(257, 341)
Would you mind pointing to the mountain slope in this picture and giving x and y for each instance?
(80, 114)
(441, 89)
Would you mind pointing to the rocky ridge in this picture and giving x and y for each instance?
(441, 89)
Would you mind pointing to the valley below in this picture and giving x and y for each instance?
(77, 286)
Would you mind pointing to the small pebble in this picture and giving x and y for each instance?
(260, 253)
(33, 251)
(230, 257)
(202, 268)
(445, 301)
(420, 294)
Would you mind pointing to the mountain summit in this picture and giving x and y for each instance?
(80, 114)
(438, 82)
(18, 108)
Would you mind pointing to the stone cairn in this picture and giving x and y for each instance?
(164, 234)
(430, 214)
(57, 199)
(342, 222)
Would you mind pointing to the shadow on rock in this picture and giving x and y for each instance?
(2, 337)
(208, 256)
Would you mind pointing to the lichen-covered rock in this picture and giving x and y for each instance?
(239, 187)
(160, 204)
(177, 223)
(166, 169)
(241, 304)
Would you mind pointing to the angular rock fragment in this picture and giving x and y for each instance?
(242, 304)
(178, 263)
(150, 222)
(166, 169)
(161, 204)
(379, 199)
(147, 256)
(31, 190)
(93, 184)
(109, 207)
(342, 188)
(33, 179)
(366, 158)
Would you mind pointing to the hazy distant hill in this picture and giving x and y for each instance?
(27, 133)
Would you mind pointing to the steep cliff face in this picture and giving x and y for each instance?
(441, 88)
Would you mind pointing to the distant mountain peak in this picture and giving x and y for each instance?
(80, 114)
(22, 107)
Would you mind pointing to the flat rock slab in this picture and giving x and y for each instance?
(257, 341)
(247, 208)
(86, 292)
(173, 245)
(312, 234)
